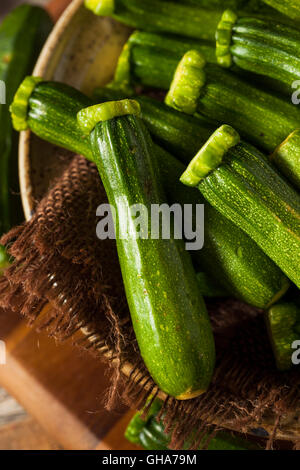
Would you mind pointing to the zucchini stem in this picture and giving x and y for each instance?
(101, 7)
(210, 156)
(224, 38)
(287, 157)
(89, 117)
(187, 83)
(122, 78)
(19, 106)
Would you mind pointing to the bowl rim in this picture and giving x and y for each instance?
(40, 70)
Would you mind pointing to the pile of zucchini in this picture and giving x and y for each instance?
(225, 137)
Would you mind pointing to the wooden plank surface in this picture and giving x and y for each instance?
(63, 388)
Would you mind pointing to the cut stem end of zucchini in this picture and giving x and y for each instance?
(187, 83)
(19, 106)
(101, 7)
(224, 38)
(287, 157)
(210, 156)
(89, 117)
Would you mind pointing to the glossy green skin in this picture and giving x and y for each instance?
(181, 134)
(168, 313)
(283, 324)
(169, 17)
(288, 7)
(175, 46)
(240, 267)
(223, 4)
(53, 107)
(267, 48)
(149, 434)
(22, 34)
(249, 192)
(260, 117)
(287, 158)
(229, 255)
(195, 21)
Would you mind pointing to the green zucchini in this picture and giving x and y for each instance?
(262, 118)
(229, 256)
(144, 49)
(168, 313)
(157, 16)
(289, 8)
(260, 46)
(239, 182)
(51, 114)
(283, 324)
(245, 107)
(287, 158)
(22, 34)
(149, 433)
(141, 46)
(195, 21)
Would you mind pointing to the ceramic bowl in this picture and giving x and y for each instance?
(82, 51)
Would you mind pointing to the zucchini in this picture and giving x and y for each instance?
(169, 316)
(51, 114)
(229, 256)
(157, 16)
(283, 324)
(195, 21)
(289, 8)
(143, 49)
(259, 46)
(149, 433)
(262, 118)
(287, 158)
(221, 4)
(180, 134)
(143, 45)
(239, 182)
(22, 34)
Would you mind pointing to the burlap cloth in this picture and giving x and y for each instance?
(58, 259)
